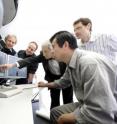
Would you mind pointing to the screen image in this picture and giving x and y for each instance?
(14, 72)
(3, 60)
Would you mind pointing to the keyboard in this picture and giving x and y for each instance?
(27, 86)
(7, 91)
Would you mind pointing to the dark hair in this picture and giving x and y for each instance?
(63, 36)
(84, 21)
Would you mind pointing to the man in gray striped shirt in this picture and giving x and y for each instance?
(102, 43)
(93, 78)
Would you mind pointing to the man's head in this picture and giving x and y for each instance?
(10, 41)
(47, 50)
(82, 28)
(32, 47)
(63, 43)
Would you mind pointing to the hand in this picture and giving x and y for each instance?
(4, 67)
(66, 119)
(41, 84)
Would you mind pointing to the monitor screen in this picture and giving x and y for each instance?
(3, 60)
(14, 72)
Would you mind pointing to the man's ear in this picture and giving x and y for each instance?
(66, 44)
(89, 26)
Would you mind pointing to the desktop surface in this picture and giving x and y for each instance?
(17, 109)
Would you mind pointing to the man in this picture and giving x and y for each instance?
(93, 78)
(32, 68)
(53, 71)
(102, 43)
(10, 42)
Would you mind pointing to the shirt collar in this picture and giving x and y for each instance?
(76, 55)
(92, 39)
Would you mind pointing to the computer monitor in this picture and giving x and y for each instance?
(3, 60)
(13, 73)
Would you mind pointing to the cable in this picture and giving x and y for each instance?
(35, 100)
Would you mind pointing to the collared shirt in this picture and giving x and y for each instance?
(93, 79)
(103, 44)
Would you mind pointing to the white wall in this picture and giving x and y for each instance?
(39, 19)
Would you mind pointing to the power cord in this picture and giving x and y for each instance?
(35, 100)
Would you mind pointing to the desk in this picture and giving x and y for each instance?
(17, 109)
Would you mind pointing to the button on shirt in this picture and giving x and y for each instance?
(93, 79)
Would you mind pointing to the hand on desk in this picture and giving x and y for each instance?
(42, 84)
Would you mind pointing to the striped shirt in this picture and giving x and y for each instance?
(103, 44)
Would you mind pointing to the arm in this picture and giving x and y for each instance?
(7, 66)
(30, 60)
(49, 85)
(30, 77)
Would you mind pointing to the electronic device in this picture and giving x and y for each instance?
(7, 91)
(10, 75)
(13, 73)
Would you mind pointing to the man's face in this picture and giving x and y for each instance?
(31, 49)
(57, 51)
(81, 31)
(47, 53)
(10, 42)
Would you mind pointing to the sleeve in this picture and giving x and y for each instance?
(30, 60)
(112, 42)
(33, 68)
(64, 81)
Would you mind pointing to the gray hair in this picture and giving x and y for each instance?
(47, 44)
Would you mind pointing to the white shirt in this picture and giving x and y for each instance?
(103, 44)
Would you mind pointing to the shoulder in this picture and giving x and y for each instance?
(21, 53)
(106, 36)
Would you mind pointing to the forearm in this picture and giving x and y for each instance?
(49, 85)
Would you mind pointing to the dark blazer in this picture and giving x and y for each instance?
(31, 68)
(2, 44)
(8, 51)
(41, 59)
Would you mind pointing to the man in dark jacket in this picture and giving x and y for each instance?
(10, 42)
(53, 71)
(32, 68)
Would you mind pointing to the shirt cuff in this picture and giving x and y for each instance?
(17, 64)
